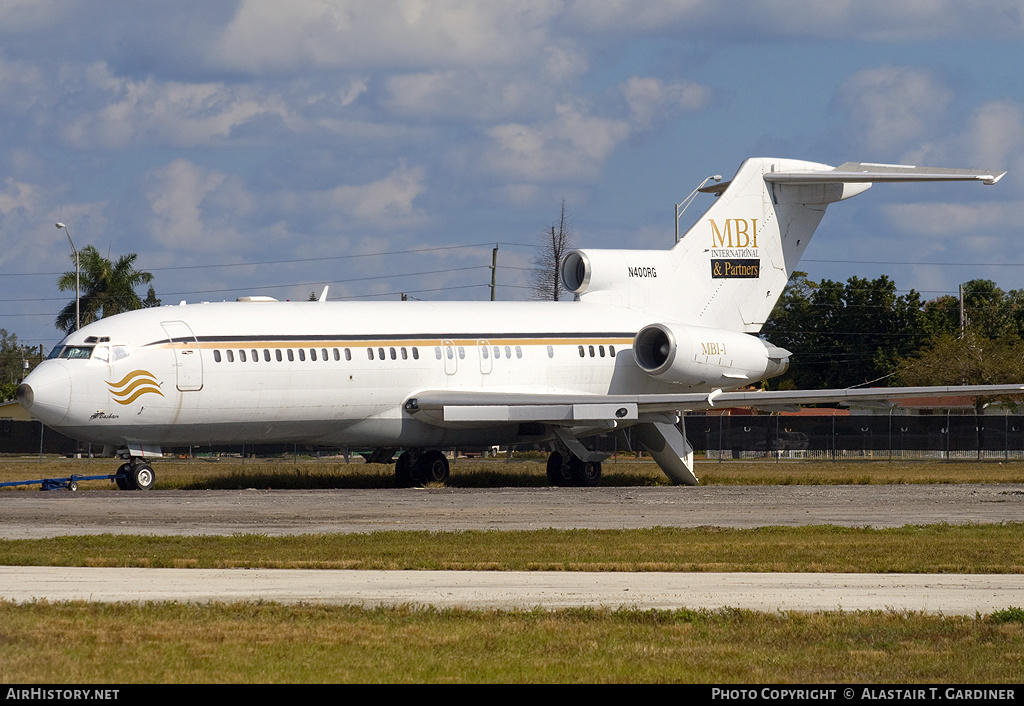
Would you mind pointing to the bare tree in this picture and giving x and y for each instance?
(554, 243)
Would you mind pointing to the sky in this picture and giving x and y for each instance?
(259, 147)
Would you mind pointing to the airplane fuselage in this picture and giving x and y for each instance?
(333, 373)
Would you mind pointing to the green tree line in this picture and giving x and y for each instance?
(866, 333)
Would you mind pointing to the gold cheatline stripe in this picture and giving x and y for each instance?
(224, 345)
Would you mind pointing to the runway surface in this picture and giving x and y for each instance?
(36, 515)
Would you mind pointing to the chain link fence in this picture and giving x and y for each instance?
(895, 436)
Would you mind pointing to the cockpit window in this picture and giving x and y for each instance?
(76, 352)
(120, 352)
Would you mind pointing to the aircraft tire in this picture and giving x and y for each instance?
(559, 474)
(586, 474)
(141, 476)
(404, 471)
(121, 478)
(432, 467)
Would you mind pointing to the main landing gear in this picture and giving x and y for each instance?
(416, 467)
(566, 470)
(135, 475)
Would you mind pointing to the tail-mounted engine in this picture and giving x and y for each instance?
(626, 278)
(698, 356)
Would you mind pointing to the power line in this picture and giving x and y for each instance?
(295, 261)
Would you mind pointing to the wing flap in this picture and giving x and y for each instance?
(553, 412)
(568, 408)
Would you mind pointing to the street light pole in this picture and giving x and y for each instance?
(78, 310)
(686, 202)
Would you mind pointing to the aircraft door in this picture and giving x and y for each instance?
(484, 350)
(448, 352)
(187, 360)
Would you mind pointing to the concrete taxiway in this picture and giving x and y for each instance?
(26, 515)
(946, 594)
(33, 514)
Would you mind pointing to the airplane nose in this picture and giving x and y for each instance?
(46, 392)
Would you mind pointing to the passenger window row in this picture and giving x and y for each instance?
(389, 353)
(301, 354)
(584, 350)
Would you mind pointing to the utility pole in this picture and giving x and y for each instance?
(494, 269)
(963, 322)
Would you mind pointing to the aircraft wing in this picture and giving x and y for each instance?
(474, 406)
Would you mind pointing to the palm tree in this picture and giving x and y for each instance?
(107, 288)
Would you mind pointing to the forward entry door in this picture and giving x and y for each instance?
(187, 360)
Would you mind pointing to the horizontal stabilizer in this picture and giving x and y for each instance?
(865, 172)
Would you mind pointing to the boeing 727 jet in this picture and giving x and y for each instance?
(652, 333)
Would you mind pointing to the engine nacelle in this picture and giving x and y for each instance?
(635, 278)
(705, 357)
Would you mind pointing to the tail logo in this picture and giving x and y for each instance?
(133, 385)
(743, 269)
(734, 251)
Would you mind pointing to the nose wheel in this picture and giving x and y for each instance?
(137, 475)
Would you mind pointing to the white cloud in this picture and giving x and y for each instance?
(960, 219)
(892, 108)
(272, 37)
(176, 195)
(651, 99)
(866, 20)
(382, 204)
(124, 112)
(570, 145)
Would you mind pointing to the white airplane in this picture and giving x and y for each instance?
(651, 333)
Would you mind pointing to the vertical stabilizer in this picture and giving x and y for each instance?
(730, 268)
(738, 257)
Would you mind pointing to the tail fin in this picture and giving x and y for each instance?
(731, 267)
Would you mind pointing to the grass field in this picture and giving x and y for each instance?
(306, 473)
(270, 643)
(957, 549)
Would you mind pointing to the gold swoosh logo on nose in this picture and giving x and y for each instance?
(134, 385)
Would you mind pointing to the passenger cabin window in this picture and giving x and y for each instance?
(216, 356)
